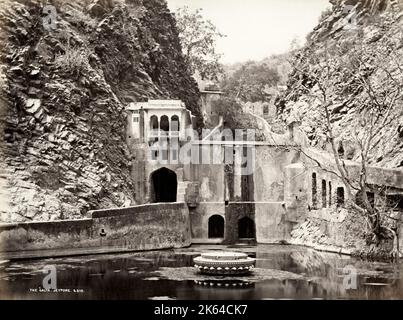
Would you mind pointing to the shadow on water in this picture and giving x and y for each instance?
(136, 276)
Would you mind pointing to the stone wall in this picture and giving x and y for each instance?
(259, 196)
(199, 218)
(327, 224)
(211, 180)
(332, 229)
(271, 222)
(146, 227)
(233, 213)
(296, 191)
(269, 172)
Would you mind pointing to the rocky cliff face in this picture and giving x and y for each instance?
(376, 28)
(66, 76)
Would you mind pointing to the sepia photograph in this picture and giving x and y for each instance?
(221, 151)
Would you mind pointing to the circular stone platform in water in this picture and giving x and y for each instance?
(224, 263)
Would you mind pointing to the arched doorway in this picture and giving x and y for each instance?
(164, 185)
(246, 228)
(216, 226)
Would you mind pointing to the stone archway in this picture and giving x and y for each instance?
(164, 185)
(216, 226)
(246, 228)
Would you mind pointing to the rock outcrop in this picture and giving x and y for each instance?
(375, 26)
(67, 72)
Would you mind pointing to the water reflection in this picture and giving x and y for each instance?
(135, 276)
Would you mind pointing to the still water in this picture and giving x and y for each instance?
(167, 275)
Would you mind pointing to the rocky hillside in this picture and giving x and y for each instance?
(361, 43)
(67, 72)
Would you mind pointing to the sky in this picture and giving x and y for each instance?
(256, 29)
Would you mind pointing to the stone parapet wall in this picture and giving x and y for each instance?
(146, 227)
(199, 218)
(332, 229)
(272, 225)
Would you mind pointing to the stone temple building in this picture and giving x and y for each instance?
(227, 203)
(214, 187)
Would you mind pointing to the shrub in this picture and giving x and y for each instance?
(234, 118)
(73, 61)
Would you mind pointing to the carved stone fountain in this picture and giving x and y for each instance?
(224, 263)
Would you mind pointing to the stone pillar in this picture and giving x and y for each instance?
(237, 172)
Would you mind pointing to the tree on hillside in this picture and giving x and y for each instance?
(368, 81)
(198, 38)
(251, 82)
(234, 118)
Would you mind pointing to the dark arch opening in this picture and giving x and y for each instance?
(164, 124)
(216, 226)
(164, 185)
(154, 126)
(340, 196)
(324, 194)
(175, 126)
(154, 122)
(246, 228)
(314, 191)
(340, 150)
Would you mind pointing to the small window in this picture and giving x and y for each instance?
(314, 191)
(154, 154)
(135, 119)
(340, 150)
(340, 196)
(324, 194)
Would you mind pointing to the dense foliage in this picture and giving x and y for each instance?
(251, 82)
(198, 37)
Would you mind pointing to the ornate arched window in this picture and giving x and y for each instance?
(164, 123)
(154, 126)
(175, 126)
